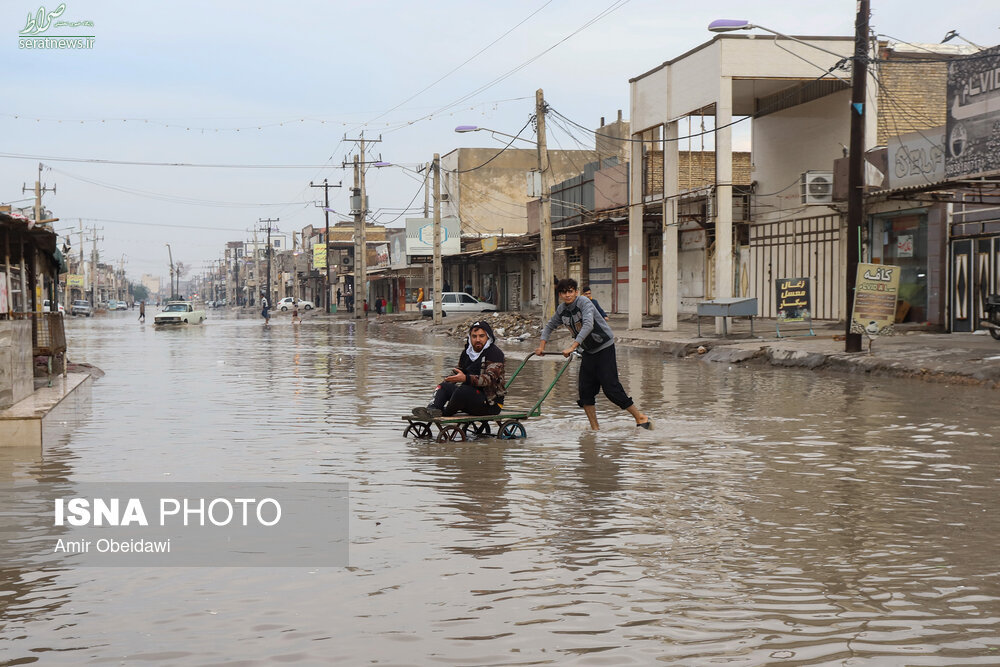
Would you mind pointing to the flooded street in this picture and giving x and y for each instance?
(771, 517)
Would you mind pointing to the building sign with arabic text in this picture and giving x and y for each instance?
(974, 115)
(793, 299)
(875, 293)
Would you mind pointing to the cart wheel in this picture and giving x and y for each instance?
(418, 430)
(995, 333)
(473, 430)
(512, 430)
(452, 433)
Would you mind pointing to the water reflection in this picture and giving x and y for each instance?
(771, 517)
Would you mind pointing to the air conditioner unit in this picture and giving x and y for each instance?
(347, 260)
(816, 187)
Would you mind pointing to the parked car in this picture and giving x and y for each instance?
(289, 301)
(457, 302)
(47, 307)
(81, 307)
(121, 305)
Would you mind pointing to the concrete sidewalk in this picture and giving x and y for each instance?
(972, 359)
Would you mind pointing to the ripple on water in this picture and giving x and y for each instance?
(770, 517)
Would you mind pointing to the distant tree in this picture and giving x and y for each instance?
(139, 292)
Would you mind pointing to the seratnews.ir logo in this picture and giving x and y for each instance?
(35, 33)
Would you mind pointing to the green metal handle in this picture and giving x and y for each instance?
(537, 409)
(511, 380)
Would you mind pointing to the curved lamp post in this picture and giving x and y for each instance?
(546, 258)
(855, 197)
(731, 25)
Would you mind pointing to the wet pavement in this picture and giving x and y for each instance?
(774, 516)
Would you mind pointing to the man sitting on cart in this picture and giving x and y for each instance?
(477, 385)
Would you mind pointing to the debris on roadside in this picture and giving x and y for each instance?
(507, 325)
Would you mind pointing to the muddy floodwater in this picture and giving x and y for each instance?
(772, 517)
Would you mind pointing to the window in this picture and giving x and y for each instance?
(901, 240)
(468, 299)
(450, 298)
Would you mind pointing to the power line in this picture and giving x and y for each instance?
(617, 4)
(464, 63)
(134, 163)
(170, 198)
(509, 144)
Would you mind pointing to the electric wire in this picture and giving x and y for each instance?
(509, 144)
(463, 64)
(617, 4)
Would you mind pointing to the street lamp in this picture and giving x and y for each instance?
(731, 25)
(855, 180)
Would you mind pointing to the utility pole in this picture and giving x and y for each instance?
(170, 253)
(256, 265)
(39, 189)
(545, 231)
(359, 203)
(437, 239)
(427, 190)
(270, 294)
(93, 268)
(359, 237)
(327, 300)
(856, 168)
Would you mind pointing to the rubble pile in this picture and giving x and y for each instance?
(506, 325)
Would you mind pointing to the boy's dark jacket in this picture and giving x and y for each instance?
(487, 372)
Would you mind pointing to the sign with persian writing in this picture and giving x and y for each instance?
(973, 125)
(319, 255)
(793, 299)
(875, 293)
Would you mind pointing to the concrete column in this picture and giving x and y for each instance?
(635, 249)
(670, 300)
(723, 194)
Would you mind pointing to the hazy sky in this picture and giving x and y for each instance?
(255, 83)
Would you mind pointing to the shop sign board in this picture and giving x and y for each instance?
(793, 299)
(319, 255)
(973, 123)
(917, 158)
(875, 293)
(420, 236)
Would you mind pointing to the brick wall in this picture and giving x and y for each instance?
(911, 96)
(696, 169)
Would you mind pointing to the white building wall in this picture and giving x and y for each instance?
(789, 142)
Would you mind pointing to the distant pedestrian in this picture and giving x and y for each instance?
(365, 304)
(295, 314)
(468, 289)
(142, 311)
(339, 295)
(265, 308)
(586, 292)
(446, 287)
(378, 307)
